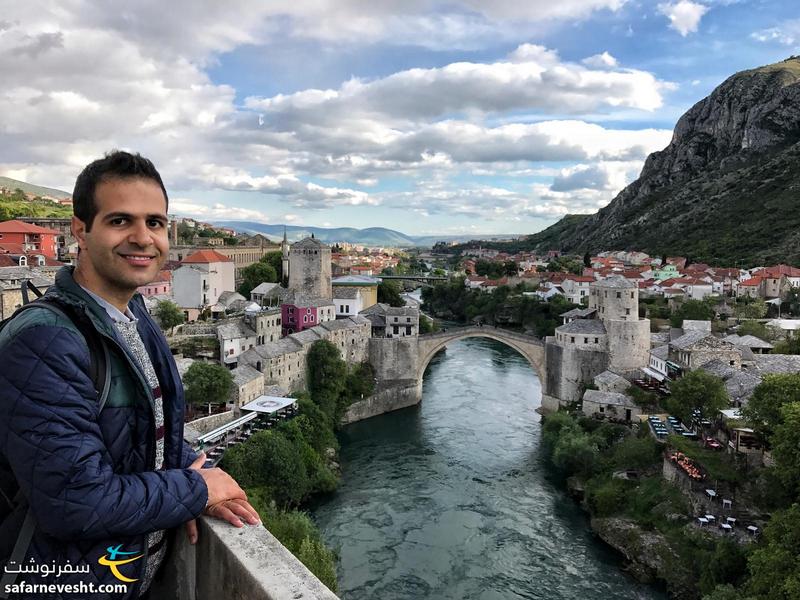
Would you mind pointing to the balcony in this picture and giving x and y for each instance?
(230, 563)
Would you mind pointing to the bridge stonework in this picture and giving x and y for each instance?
(400, 364)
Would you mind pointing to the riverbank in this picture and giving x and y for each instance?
(617, 477)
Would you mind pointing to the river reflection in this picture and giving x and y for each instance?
(451, 500)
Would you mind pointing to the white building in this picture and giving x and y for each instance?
(348, 301)
(202, 277)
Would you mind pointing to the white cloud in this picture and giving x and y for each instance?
(600, 61)
(787, 34)
(684, 16)
(190, 208)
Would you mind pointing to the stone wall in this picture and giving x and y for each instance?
(394, 358)
(230, 563)
(628, 345)
(392, 396)
(568, 370)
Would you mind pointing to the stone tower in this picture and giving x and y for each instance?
(617, 303)
(310, 268)
(284, 258)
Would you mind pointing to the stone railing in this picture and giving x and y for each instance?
(230, 563)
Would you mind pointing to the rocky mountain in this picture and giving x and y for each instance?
(725, 190)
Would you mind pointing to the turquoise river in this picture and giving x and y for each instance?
(452, 500)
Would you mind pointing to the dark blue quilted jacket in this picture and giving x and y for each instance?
(88, 476)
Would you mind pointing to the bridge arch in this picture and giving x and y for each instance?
(528, 346)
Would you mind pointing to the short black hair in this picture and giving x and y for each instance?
(117, 164)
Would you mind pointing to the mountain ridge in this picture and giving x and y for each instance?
(724, 189)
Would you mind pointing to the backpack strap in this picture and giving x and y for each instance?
(18, 553)
(99, 358)
(100, 373)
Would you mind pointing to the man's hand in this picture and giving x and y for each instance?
(235, 509)
(221, 486)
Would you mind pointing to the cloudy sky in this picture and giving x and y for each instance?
(423, 116)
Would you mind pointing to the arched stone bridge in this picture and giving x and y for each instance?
(530, 347)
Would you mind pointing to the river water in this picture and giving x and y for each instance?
(451, 499)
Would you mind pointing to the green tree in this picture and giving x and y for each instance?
(254, 275)
(206, 383)
(427, 325)
(697, 389)
(389, 293)
(575, 453)
(763, 410)
(169, 314)
(693, 310)
(756, 329)
(773, 565)
(327, 374)
(510, 268)
(786, 447)
(788, 346)
(751, 308)
(275, 260)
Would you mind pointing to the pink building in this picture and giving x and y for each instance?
(162, 284)
(299, 312)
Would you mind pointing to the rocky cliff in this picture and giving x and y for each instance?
(724, 190)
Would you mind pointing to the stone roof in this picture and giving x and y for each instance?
(309, 242)
(244, 374)
(749, 341)
(344, 323)
(296, 298)
(690, 340)
(228, 298)
(613, 398)
(234, 330)
(263, 288)
(346, 293)
(583, 326)
(739, 384)
(307, 336)
(616, 283)
(776, 363)
(608, 381)
(279, 347)
(578, 313)
(390, 311)
(660, 352)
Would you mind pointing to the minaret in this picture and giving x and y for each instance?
(284, 258)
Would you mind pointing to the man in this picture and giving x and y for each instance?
(103, 486)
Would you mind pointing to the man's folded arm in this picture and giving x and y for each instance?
(54, 445)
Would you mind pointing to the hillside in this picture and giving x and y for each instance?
(28, 188)
(726, 188)
(371, 236)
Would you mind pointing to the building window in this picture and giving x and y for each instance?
(585, 340)
(596, 340)
(619, 294)
(627, 311)
(572, 339)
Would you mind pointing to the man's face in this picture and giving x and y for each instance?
(128, 241)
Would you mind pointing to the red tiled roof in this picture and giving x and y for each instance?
(15, 226)
(780, 270)
(9, 248)
(579, 278)
(753, 281)
(205, 257)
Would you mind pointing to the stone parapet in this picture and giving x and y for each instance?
(230, 563)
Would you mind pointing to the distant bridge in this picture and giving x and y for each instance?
(423, 278)
(532, 348)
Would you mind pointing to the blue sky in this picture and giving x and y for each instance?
(422, 116)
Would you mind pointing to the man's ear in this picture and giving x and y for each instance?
(79, 231)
